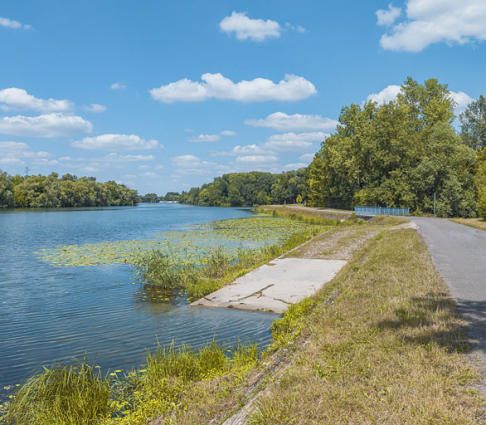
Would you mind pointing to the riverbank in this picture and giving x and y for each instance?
(380, 343)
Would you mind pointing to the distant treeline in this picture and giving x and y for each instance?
(248, 189)
(153, 197)
(40, 191)
(403, 153)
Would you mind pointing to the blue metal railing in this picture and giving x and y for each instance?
(381, 211)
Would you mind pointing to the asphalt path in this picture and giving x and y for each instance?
(459, 255)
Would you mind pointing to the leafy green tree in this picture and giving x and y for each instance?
(234, 197)
(397, 155)
(6, 191)
(473, 124)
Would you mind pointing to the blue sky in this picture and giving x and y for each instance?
(165, 95)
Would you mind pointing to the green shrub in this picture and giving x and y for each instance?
(190, 365)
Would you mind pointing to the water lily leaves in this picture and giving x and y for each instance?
(190, 245)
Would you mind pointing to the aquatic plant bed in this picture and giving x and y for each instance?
(197, 260)
(191, 244)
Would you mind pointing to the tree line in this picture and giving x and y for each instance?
(248, 189)
(403, 153)
(38, 191)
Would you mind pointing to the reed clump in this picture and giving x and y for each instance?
(72, 395)
(170, 373)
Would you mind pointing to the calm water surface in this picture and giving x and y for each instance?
(52, 314)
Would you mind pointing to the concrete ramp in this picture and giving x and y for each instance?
(274, 286)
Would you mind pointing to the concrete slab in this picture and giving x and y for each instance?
(275, 286)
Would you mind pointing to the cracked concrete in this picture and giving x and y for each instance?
(274, 286)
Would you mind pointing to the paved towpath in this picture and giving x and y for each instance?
(459, 254)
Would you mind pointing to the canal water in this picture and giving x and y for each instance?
(54, 314)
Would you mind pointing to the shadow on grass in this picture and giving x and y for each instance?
(437, 318)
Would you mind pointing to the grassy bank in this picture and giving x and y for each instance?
(477, 223)
(389, 349)
(305, 213)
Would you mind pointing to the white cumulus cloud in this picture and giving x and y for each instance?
(11, 161)
(282, 122)
(48, 125)
(119, 142)
(118, 86)
(307, 158)
(205, 138)
(462, 101)
(243, 151)
(14, 153)
(294, 142)
(437, 21)
(228, 133)
(13, 147)
(18, 99)
(289, 145)
(192, 165)
(257, 159)
(388, 94)
(95, 108)
(389, 16)
(151, 175)
(216, 86)
(211, 137)
(114, 157)
(294, 166)
(244, 27)
(9, 23)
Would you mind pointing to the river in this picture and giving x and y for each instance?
(54, 314)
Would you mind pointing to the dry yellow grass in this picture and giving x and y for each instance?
(307, 212)
(477, 223)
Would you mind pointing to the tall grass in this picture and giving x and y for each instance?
(168, 375)
(73, 395)
(80, 395)
(188, 364)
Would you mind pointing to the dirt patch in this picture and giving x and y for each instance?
(339, 244)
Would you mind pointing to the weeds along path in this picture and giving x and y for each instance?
(382, 344)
